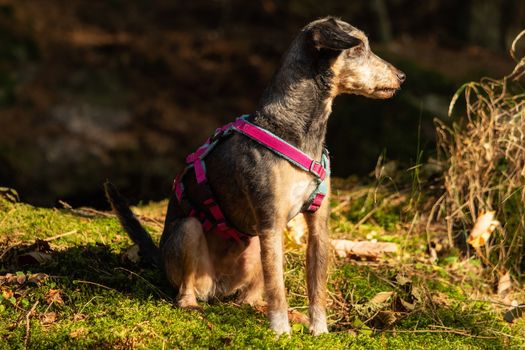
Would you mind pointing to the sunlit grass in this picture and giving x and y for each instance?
(109, 302)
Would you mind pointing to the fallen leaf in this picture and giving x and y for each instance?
(132, 254)
(386, 317)
(53, 296)
(48, 318)
(514, 313)
(7, 293)
(79, 317)
(483, 228)
(403, 280)
(344, 248)
(408, 306)
(293, 315)
(441, 299)
(21, 279)
(381, 298)
(78, 332)
(37, 278)
(8, 278)
(34, 258)
(298, 317)
(416, 293)
(504, 284)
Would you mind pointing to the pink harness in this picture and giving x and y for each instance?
(209, 212)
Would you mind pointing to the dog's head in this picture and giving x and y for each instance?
(356, 69)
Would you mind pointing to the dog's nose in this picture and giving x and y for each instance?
(401, 76)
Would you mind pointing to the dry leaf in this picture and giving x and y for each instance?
(79, 317)
(34, 258)
(402, 280)
(386, 317)
(416, 293)
(293, 315)
(21, 279)
(504, 284)
(8, 278)
(344, 247)
(132, 254)
(37, 278)
(298, 317)
(7, 293)
(48, 318)
(441, 299)
(381, 298)
(514, 313)
(483, 228)
(408, 306)
(53, 296)
(78, 332)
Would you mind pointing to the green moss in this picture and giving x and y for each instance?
(110, 303)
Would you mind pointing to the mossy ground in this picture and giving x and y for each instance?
(93, 297)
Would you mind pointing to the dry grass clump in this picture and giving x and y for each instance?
(486, 158)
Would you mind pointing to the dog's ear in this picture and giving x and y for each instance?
(328, 35)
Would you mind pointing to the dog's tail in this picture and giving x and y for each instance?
(132, 225)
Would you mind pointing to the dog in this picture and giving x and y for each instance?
(259, 191)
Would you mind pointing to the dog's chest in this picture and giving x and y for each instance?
(294, 187)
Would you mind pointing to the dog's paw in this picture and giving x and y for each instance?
(256, 302)
(189, 302)
(318, 329)
(279, 323)
(318, 320)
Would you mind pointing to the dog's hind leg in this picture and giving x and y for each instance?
(317, 265)
(187, 261)
(253, 289)
(272, 264)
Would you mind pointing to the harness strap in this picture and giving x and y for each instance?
(213, 217)
(222, 228)
(280, 147)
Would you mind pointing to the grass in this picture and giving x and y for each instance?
(91, 296)
(485, 166)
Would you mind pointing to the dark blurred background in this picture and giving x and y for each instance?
(124, 89)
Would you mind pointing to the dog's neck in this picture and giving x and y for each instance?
(297, 103)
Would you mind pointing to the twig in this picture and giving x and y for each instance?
(151, 220)
(447, 330)
(506, 334)
(93, 212)
(374, 210)
(28, 319)
(367, 216)
(95, 284)
(86, 304)
(49, 239)
(159, 292)
(65, 204)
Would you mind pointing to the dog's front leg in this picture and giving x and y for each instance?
(317, 265)
(272, 264)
